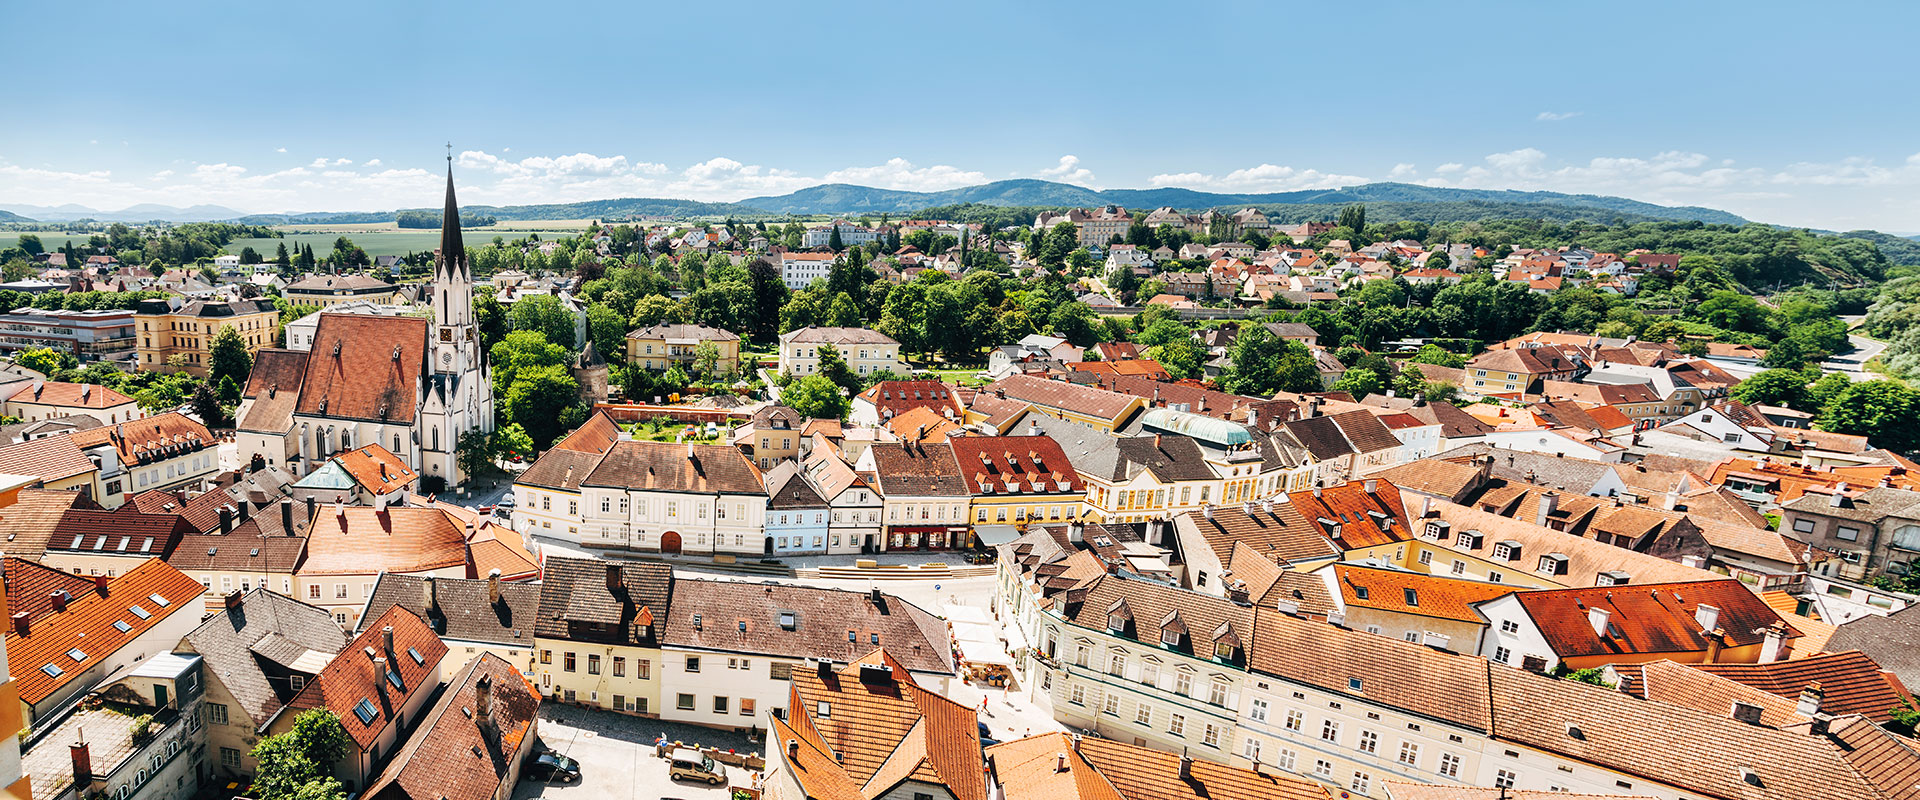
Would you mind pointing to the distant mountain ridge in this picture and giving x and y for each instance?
(145, 212)
(837, 198)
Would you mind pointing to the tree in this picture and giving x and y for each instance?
(297, 765)
(1358, 382)
(1824, 390)
(537, 397)
(833, 240)
(512, 441)
(1774, 387)
(706, 359)
(545, 314)
(281, 258)
(31, 243)
(834, 368)
(228, 357)
(489, 316)
(1354, 218)
(1882, 410)
(1075, 322)
(474, 452)
(1264, 363)
(1438, 356)
(815, 397)
(206, 406)
(1183, 358)
(43, 360)
(607, 330)
(655, 309)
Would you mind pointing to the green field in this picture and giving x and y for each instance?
(52, 239)
(386, 239)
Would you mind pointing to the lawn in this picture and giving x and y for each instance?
(664, 430)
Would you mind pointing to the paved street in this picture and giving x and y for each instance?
(617, 758)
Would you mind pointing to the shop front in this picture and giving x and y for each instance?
(925, 537)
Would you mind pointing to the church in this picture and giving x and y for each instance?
(412, 385)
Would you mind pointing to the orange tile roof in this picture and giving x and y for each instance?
(596, 435)
(69, 395)
(884, 732)
(500, 547)
(50, 458)
(377, 469)
(1355, 517)
(357, 540)
(350, 677)
(452, 758)
(30, 586)
(1682, 685)
(1854, 683)
(155, 438)
(1792, 480)
(365, 368)
(87, 627)
(1144, 367)
(1415, 593)
(1647, 618)
(1610, 418)
(921, 424)
(1098, 769)
(1013, 464)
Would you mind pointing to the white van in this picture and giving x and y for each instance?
(694, 765)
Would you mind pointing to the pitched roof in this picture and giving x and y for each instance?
(1276, 531)
(1152, 611)
(1451, 480)
(249, 549)
(350, 679)
(50, 458)
(273, 389)
(364, 367)
(376, 469)
(1647, 618)
(885, 730)
(453, 755)
(595, 436)
(464, 611)
(668, 467)
(1853, 683)
(69, 395)
(1586, 558)
(1064, 396)
(29, 524)
(1099, 769)
(1892, 640)
(88, 627)
(154, 438)
(686, 331)
(1682, 685)
(1353, 517)
(918, 469)
(230, 644)
(836, 336)
(561, 468)
(788, 487)
(1014, 464)
(356, 540)
(898, 397)
(1411, 677)
(1414, 592)
(633, 596)
(30, 586)
(733, 618)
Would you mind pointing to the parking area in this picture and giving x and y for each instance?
(617, 760)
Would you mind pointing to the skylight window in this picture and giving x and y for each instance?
(393, 677)
(77, 654)
(122, 626)
(51, 670)
(140, 612)
(417, 658)
(159, 601)
(366, 712)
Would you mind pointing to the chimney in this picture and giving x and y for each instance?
(1770, 648)
(226, 520)
(614, 578)
(233, 601)
(386, 639)
(1060, 761)
(59, 599)
(1707, 616)
(1076, 532)
(339, 507)
(82, 767)
(1186, 765)
(310, 508)
(286, 515)
(1746, 712)
(20, 625)
(483, 703)
(1033, 427)
(825, 668)
(100, 583)
(429, 594)
(1810, 698)
(1716, 641)
(1549, 503)
(1206, 510)
(1597, 617)
(1372, 486)
(1839, 497)
(793, 749)
(690, 451)
(380, 676)
(493, 587)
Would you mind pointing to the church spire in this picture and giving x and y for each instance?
(451, 248)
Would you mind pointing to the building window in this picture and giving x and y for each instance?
(216, 714)
(1077, 695)
(1143, 714)
(1259, 711)
(719, 704)
(1803, 526)
(1509, 626)
(1330, 731)
(1847, 534)
(619, 666)
(546, 656)
(1410, 754)
(684, 702)
(1117, 665)
(1504, 779)
(230, 758)
(1211, 736)
(1177, 725)
(1449, 765)
(1111, 704)
(1217, 693)
(693, 663)
(1369, 742)
(643, 668)
(1502, 654)
(1323, 769)
(313, 592)
(1294, 720)
(1360, 782)
(593, 663)
(567, 660)
(1182, 684)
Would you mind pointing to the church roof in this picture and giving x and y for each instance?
(365, 368)
(451, 247)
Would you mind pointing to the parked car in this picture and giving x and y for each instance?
(696, 766)
(551, 766)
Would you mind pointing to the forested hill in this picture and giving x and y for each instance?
(8, 216)
(845, 198)
(615, 209)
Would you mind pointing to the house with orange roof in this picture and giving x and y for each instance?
(368, 475)
(378, 687)
(1058, 766)
(1433, 610)
(472, 744)
(92, 634)
(40, 400)
(350, 547)
(164, 451)
(1709, 621)
(868, 730)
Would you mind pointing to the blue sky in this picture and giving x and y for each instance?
(1781, 113)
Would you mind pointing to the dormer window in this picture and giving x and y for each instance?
(1116, 623)
(1223, 651)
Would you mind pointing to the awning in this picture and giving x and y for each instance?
(991, 535)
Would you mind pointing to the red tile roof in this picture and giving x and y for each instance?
(596, 435)
(29, 587)
(1853, 682)
(356, 540)
(365, 368)
(999, 465)
(155, 438)
(1415, 592)
(899, 397)
(377, 469)
(1351, 516)
(1647, 618)
(87, 627)
(70, 395)
(889, 731)
(453, 755)
(350, 678)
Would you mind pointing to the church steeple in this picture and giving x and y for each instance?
(452, 250)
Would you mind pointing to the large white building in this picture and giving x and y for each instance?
(851, 235)
(800, 270)
(865, 351)
(673, 498)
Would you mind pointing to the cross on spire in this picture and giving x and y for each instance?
(449, 152)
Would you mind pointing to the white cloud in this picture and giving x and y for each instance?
(373, 163)
(279, 149)
(899, 173)
(1068, 170)
(1263, 178)
(1555, 116)
(1401, 172)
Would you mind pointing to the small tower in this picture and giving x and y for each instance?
(590, 370)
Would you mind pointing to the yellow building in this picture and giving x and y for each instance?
(598, 633)
(675, 344)
(1018, 479)
(176, 335)
(326, 290)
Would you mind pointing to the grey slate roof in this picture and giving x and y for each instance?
(576, 589)
(1870, 506)
(227, 643)
(745, 618)
(1515, 466)
(463, 612)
